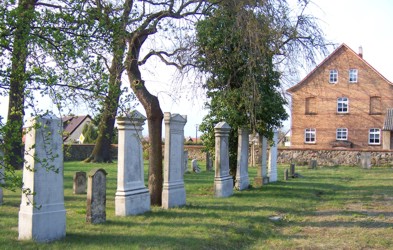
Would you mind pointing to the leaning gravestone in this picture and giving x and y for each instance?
(173, 191)
(195, 167)
(272, 171)
(262, 177)
(242, 179)
(96, 196)
(42, 216)
(80, 182)
(223, 182)
(2, 182)
(365, 160)
(132, 196)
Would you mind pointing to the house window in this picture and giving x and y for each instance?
(341, 134)
(309, 135)
(353, 75)
(311, 106)
(374, 136)
(375, 105)
(342, 105)
(333, 76)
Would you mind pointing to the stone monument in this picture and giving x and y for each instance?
(96, 196)
(209, 162)
(223, 182)
(272, 171)
(132, 196)
(42, 216)
(185, 162)
(262, 177)
(242, 179)
(1, 169)
(79, 182)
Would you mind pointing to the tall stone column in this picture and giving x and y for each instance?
(42, 216)
(272, 171)
(223, 182)
(132, 196)
(242, 179)
(261, 177)
(173, 191)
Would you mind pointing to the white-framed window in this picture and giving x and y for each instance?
(341, 134)
(310, 135)
(353, 75)
(333, 76)
(342, 105)
(374, 136)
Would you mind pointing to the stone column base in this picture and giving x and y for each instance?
(242, 183)
(132, 202)
(173, 195)
(223, 186)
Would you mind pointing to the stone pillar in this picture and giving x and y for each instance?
(185, 162)
(209, 162)
(173, 191)
(2, 182)
(292, 170)
(80, 182)
(132, 196)
(42, 216)
(242, 179)
(96, 196)
(223, 182)
(272, 171)
(261, 177)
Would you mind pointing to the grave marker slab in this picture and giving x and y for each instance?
(42, 217)
(132, 196)
(80, 182)
(262, 177)
(242, 179)
(223, 182)
(173, 191)
(209, 162)
(185, 162)
(96, 196)
(365, 160)
(272, 171)
(195, 167)
(1, 169)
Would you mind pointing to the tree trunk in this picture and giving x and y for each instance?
(14, 127)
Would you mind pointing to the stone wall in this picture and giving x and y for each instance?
(331, 157)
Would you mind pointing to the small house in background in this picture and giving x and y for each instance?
(343, 103)
(73, 127)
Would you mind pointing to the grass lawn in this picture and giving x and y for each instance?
(329, 208)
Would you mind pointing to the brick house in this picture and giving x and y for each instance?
(344, 102)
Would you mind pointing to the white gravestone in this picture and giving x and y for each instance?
(173, 191)
(42, 217)
(132, 196)
(242, 179)
(272, 171)
(1, 169)
(223, 182)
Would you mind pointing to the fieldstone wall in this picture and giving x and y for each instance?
(79, 152)
(331, 157)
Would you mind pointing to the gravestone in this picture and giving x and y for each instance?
(209, 162)
(272, 171)
(132, 197)
(242, 179)
(262, 177)
(42, 216)
(365, 160)
(1, 169)
(292, 170)
(173, 190)
(223, 182)
(185, 162)
(80, 182)
(96, 196)
(286, 174)
(195, 167)
(313, 164)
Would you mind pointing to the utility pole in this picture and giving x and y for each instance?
(196, 133)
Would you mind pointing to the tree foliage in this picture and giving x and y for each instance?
(243, 47)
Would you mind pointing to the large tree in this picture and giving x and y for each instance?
(243, 46)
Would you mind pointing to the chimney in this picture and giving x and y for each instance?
(361, 51)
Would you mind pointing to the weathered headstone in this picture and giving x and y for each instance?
(242, 179)
(132, 196)
(365, 160)
(96, 196)
(80, 182)
(1, 169)
(292, 170)
(262, 177)
(313, 164)
(42, 216)
(195, 167)
(185, 162)
(173, 190)
(286, 174)
(272, 171)
(209, 162)
(223, 182)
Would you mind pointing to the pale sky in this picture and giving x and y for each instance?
(366, 23)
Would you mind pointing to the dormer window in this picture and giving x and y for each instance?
(353, 75)
(333, 76)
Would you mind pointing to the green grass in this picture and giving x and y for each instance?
(329, 208)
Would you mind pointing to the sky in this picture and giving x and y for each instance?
(366, 23)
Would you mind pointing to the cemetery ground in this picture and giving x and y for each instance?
(328, 208)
